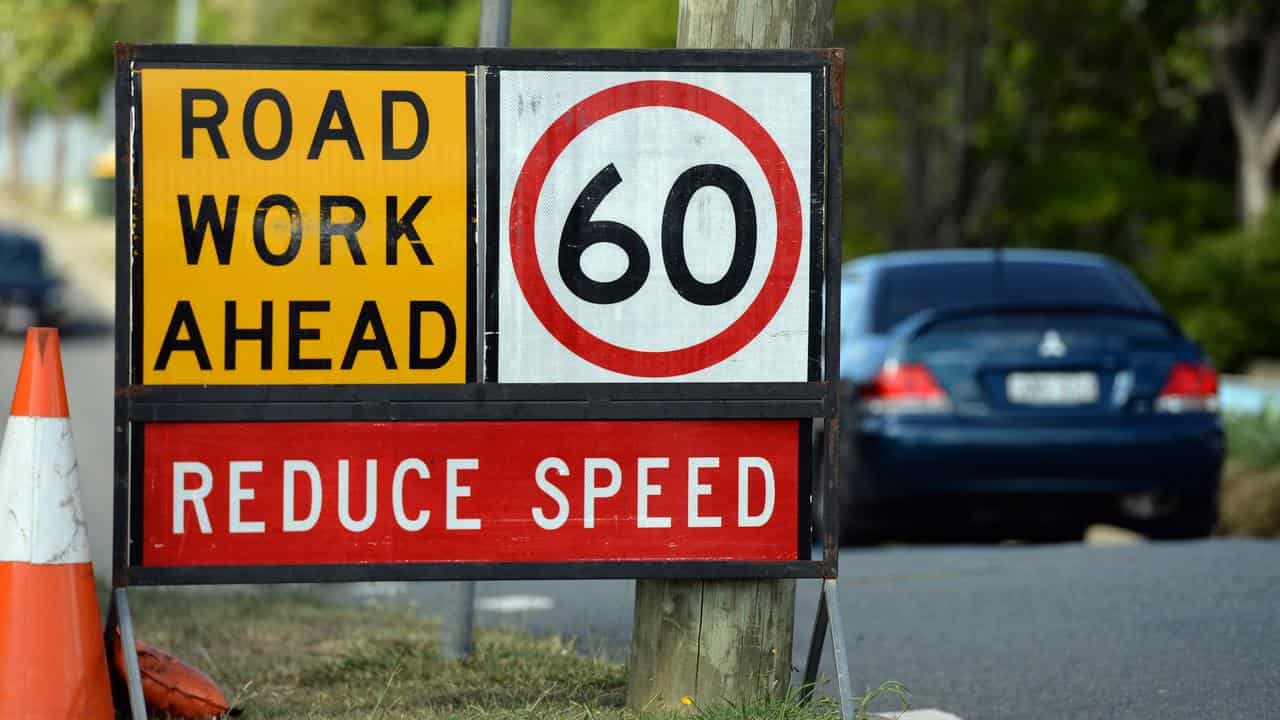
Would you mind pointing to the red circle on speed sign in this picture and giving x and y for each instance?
(524, 203)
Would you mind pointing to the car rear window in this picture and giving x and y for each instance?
(907, 289)
(1001, 330)
(853, 297)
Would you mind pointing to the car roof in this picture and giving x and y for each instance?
(16, 236)
(873, 264)
(978, 255)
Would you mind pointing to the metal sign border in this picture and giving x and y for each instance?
(813, 403)
(135, 249)
(817, 139)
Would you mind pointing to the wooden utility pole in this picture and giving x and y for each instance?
(756, 24)
(715, 640)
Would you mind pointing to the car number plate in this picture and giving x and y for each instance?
(1033, 388)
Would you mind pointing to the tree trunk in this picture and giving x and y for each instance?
(1255, 187)
(717, 640)
(58, 168)
(972, 87)
(13, 121)
(1255, 116)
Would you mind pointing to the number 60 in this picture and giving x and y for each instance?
(581, 232)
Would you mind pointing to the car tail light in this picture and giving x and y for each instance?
(905, 388)
(1190, 388)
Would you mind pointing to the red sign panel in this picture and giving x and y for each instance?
(312, 493)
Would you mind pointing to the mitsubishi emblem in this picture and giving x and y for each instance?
(1052, 345)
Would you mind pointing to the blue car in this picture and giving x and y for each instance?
(29, 293)
(1020, 393)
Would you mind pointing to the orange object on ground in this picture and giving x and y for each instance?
(40, 391)
(51, 661)
(171, 687)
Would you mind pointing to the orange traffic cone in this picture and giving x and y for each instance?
(52, 663)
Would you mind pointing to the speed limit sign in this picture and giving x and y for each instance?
(655, 226)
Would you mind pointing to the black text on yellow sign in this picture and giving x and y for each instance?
(304, 226)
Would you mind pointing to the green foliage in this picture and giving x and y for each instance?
(1250, 500)
(48, 61)
(288, 654)
(58, 56)
(789, 708)
(536, 23)
(1226, 291)
(572, 23)
(1019, 122)
(1014, 122)
(1254, 439)
(283, 654)
(889, 699)
(333, 22)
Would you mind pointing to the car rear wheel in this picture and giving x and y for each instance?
(862, 522)
(1191, 517)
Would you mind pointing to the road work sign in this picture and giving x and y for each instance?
(304, 226)
(417, 313)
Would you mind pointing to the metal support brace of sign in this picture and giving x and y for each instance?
(828, 619)
(325, 374)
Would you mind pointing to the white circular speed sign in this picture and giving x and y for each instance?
(654, 226)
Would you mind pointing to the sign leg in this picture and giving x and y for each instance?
(133, 676)
(459, 621)
(831, 600)
(816, 642)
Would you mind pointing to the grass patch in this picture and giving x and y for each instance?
(1254, 439)
(1250, 501)
(280, 654)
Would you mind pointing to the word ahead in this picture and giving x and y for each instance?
(421, 492)
(304, 226)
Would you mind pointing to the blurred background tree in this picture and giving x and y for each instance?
(1147, 130)
(56, 59)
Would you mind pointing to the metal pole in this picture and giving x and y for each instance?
(495, 23)
(184, 26)
(848, 704)
(456, 641)
(459, 622)
(816, 641)
(133, 675)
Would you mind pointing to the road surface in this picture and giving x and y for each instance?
(1172, 630)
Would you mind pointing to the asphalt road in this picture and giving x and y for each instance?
(1175, 630)
(1169, 630)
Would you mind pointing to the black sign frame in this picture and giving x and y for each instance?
(813, 403)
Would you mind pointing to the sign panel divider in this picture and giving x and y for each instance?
(478, 392)
(268, 574)
(461, 412)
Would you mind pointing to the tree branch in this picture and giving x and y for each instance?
(1237, 102)
(1269, 145)
(1268, 92)
(1168, 95)
(1268, 96)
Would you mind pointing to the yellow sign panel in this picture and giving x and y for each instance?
(304, 226)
